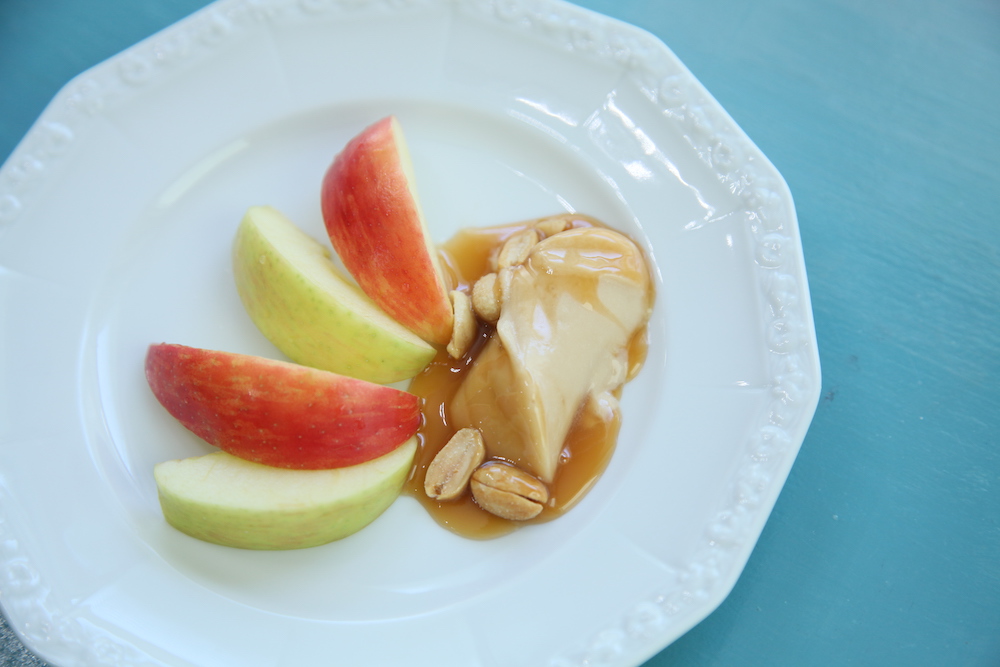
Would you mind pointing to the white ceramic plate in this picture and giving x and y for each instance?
(117, 212)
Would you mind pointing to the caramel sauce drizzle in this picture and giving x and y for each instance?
(589, 444)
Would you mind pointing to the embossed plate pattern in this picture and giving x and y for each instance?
(117, 212)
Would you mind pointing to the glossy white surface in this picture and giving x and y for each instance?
(117, 213)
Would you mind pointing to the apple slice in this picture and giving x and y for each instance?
(372, 214)
(278, 413)
(223, 499)
(304, 305)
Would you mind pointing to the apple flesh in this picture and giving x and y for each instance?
(374, 220)
(278, 413)
(311, 312)
(223, 499)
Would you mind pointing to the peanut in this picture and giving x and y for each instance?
(550, 226)
(508, 492)
(517, 248)
(486, 298)
(463, 332)
(449, 472)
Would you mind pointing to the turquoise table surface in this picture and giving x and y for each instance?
(884, 546)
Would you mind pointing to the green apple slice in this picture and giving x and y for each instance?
(226, 500)
(304, 305)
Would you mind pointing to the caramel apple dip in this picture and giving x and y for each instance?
(521, 411)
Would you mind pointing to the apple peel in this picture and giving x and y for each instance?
(374, 219)
(226, 500)
(306, 307)
(278, 413)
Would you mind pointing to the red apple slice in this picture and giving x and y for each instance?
(375, 223)
(279, 413)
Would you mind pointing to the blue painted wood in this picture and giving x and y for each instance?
(884, 547)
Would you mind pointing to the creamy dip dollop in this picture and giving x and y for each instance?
(568, 314)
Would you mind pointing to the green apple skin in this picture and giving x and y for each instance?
(304, 305)
(225, 500)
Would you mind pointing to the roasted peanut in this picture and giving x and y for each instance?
(508, 492)
(517, 248)
(486, 298)
(505, 277)
(449, 472)
(463, 332)
(550, 226)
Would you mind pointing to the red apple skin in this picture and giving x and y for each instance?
(374, 222)
(279, 413)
